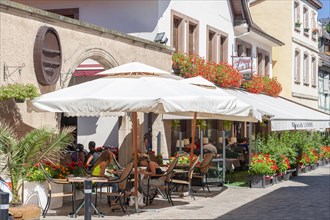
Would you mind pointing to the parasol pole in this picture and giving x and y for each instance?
(135, 160)
(193, 133)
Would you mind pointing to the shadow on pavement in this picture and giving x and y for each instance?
(309, 201)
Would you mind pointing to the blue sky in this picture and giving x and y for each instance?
(325, 10)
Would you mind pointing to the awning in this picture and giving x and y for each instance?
(239, 113)
(284, 114)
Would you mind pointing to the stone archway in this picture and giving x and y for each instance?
(98, 54)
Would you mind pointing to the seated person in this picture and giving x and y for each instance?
(152, 168)
(210, 148)
(92, 156)
(78, 155)
(99, 169)
(196, 146)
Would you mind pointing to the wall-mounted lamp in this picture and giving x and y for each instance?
(160, 38)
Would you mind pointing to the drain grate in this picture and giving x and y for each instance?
(190, 207)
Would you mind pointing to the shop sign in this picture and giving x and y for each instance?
(244, 66)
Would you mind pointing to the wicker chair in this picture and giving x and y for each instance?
(122, 192)
(186, 181)
(203, 173)
(167, 187)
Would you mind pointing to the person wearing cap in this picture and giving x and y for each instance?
(209, 146)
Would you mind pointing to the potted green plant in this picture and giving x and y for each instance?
(201, 124)
(306, 30)
(297, 24)
(17, 154)
(175, 124)
(19, 92)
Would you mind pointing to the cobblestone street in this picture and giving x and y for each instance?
(306, 196)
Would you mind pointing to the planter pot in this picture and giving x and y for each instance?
(313, 166)
(278, 178)
(286, 176)
(302, 169)
(295, 172)
(261, 181)
(31, 212)
(35, 193)
(320, 162)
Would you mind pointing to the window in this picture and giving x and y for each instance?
(243, 48)
(240, 51)
(223, 48)
(296, 12)
(192, 39)
(297, 66)
(326, 83)
(306, 70)
(306, 19)
(267, 65)
(248, 51)
(177, 39)
(212, 45)
(184, 33)
(67, 12)
(260, 64)
(313, 72)
(217, 45)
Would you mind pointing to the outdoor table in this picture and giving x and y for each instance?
(76, 180)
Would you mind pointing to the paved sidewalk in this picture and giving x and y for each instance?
(304, 197)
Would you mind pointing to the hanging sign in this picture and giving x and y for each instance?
(244, 66)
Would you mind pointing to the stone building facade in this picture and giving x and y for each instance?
(19, 27)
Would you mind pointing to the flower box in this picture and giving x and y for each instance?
(261, 181)
(35, 193)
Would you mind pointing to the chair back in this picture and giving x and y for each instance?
(204, 166)
(191, 169)
(113, 158)
(168, 173)
(122, 182)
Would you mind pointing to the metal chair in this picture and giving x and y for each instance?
(167, 187)
(51, 195)
(122, 192)
(203, 173)
(186, 181)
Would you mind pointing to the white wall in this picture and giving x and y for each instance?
(215, 13)
(146, 18)
(102, 130)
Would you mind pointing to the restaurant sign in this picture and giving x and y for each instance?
(244, 66)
